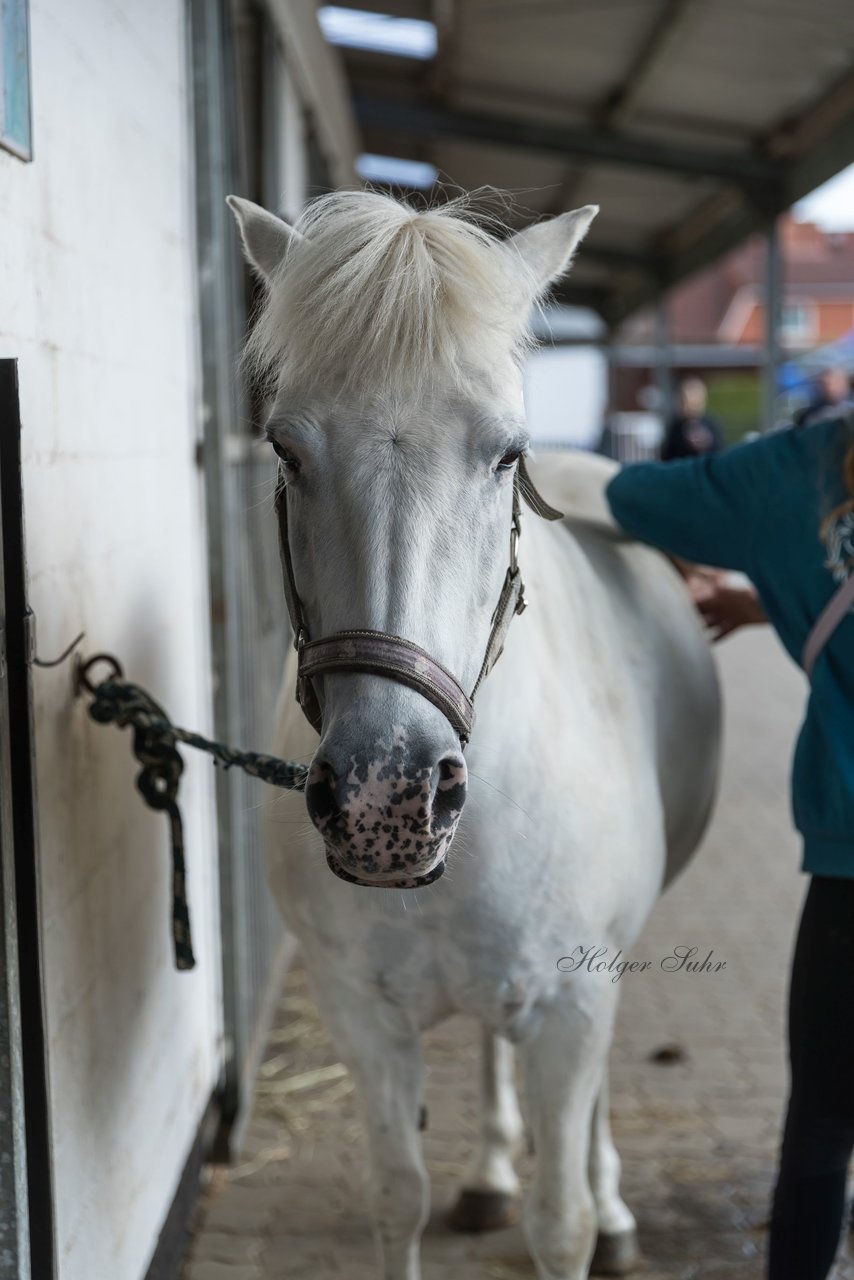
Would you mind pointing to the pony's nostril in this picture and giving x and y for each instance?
(320, 792)
(451, 771)
(449, 790)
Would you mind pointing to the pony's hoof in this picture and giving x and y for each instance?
(616, 1255)
(483, 1211)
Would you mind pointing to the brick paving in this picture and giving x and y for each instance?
(697, 1135)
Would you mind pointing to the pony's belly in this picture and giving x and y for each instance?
(511, 1005)
(509, 977)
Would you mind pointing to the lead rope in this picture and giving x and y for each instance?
(117, 701)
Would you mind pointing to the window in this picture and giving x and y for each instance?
(379, 32)
(15, 78)
(798, 322)
(396, 172)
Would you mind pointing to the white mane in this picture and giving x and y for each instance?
(376, 292)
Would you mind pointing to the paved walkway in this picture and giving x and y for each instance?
(698, 1136)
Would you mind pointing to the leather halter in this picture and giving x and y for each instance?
(394, 657)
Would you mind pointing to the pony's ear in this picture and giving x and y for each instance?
(547, 247)
(265, 237)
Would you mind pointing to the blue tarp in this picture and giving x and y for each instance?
(797, 375)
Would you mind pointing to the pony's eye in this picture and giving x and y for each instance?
(509, 460)
(290, 462)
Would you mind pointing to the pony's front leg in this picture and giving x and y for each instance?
(563, 1068)
(488, 1198)
(382, 1051)
(617, 1241)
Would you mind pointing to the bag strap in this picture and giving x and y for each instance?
(837, 607)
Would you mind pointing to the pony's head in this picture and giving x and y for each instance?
(392, 340)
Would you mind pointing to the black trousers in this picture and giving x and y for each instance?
(818, 1138)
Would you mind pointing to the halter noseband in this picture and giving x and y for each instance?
(393, 657)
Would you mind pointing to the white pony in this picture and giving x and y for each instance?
(394, 337)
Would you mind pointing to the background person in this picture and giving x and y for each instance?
(780, 510)
(832, 395)
(691, 433)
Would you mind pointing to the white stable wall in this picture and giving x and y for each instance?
(97, 300)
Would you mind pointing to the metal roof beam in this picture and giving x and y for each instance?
(424, 120)
(372, 73)
(733, 228)
(395, 8)
(647, 262)
(832, 155)
(824, 138)
(647, 63)
(446, 16)
(619, 105)
(828, 151)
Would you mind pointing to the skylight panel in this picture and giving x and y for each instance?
(397, 172)
(378, 32)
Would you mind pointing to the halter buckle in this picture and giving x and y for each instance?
(515, 535)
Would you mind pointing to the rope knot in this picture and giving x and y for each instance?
(117, 701)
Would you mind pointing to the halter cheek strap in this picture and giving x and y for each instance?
(393, 657)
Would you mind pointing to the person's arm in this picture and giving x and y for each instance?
(723, 605)
(700, 509)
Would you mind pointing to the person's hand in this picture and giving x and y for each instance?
(723, 606)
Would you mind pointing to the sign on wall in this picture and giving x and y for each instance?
(15, 126)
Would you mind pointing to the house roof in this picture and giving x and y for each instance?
(715, 304)
(690, 122)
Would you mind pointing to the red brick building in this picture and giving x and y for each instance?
(716, 321)
(725, 305)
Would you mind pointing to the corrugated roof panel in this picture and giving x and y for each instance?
(576, 50)
(533, 95)
(751, 63)
(533, 179)
(634, 206)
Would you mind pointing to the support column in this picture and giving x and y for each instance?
(663, 361)
(608, 443)
(773, 321)
(609, 350)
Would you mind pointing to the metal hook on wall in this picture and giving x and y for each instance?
(30, 624)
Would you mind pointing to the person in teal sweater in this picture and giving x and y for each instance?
(781, 510)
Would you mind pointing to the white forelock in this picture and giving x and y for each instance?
(376, 294)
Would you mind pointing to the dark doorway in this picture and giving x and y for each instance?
(26, 1201)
